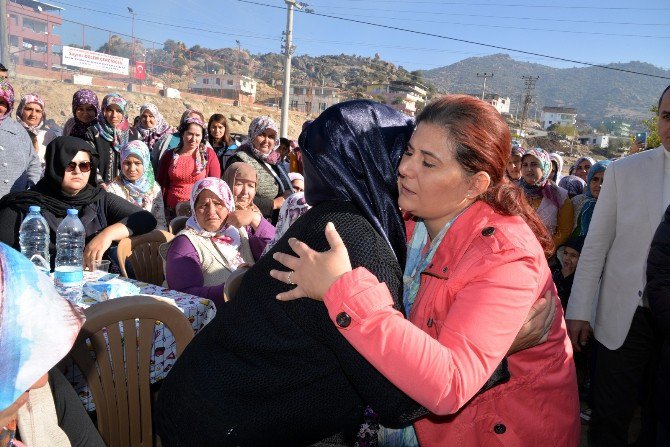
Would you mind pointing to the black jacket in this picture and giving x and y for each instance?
(271, 373)
(95, 217)
(658, 294)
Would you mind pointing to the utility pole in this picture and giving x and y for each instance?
(528, 100)
(485, 76)
(4, 36)
(288, 52)
(132, 32)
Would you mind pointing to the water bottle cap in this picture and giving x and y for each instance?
(72, 212)
(34, 209)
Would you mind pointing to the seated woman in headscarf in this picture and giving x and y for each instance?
(109, 135)
(286, 376)
(297, 181)
(136, 181)
(582, 166)
(260, 151)
(202, 257)
(151, 127)
(85, 109)
(181, 167)
(241, 179)
(37, 329)
(556, 167)
(170, 141)
(584, 212)
(31, 114)
(68, 182)
(550, 201)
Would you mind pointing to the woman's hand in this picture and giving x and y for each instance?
(242, 218)
(312, 272)
(95, 249)
(535, 329)
(278, 202)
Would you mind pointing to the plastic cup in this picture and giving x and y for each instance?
(102, 265)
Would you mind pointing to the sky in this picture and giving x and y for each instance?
(599, 32)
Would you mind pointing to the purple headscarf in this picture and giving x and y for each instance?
(74, 127)
(7, 93)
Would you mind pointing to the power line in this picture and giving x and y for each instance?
(517, 5)
(455, 39)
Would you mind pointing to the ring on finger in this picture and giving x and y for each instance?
(288, 278)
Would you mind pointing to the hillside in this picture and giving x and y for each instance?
(596, 93)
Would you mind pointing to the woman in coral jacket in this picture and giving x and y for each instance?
(475, 265)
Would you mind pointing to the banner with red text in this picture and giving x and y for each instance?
(93, 60)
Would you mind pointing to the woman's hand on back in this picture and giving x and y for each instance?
(312, 272)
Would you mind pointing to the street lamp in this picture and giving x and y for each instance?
(132, 32)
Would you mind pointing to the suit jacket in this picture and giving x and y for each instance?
(612, 264)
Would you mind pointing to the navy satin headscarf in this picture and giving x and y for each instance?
(351, 152)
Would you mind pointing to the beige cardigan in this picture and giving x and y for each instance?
(37, 420)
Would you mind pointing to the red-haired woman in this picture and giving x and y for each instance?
(475, 266)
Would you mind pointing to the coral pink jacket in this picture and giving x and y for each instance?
(473, 300)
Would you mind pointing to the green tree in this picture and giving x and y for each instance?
(653, 139)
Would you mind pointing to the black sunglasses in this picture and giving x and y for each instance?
(84, 166)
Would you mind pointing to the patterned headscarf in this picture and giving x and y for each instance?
(518, 151)
(542, 187)
(139, 190)
(151, 135)
(118, 135)
(581, 159)
(573, 184)
(295, 176)
(75, 127)
(259, 125)
(31, 98)
(201, 155)
(7, 93)
(293, 207)
(37, 326)
(559, 166)
(226, 238)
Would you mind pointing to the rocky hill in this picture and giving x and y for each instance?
(596, 93)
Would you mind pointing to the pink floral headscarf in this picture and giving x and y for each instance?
(31, 98)
(7, 93)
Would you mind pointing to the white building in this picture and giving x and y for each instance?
(499, 102)
(565, 116)
(401, 95)
(312, 99)
(237, 87)
(595, 140)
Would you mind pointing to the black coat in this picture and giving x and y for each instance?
(658, 294)
(266, 372)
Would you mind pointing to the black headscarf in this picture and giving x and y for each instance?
(48, 193)
(351, 152)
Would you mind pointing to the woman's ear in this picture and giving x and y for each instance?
(479, 183)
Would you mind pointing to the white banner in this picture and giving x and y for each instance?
(94, 61)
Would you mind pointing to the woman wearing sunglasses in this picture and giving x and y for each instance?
(69, 182)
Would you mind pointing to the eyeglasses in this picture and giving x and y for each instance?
(84, 166)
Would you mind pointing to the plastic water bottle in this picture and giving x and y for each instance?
(69, 274)
(34, 239)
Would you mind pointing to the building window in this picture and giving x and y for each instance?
(322, 106)
(13, 41)
(205, 81)
(218, 81)
(230, 82)
(13, 20)
(35, 26)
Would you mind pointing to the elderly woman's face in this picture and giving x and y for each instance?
(265, 142)
(531, 169)
(113, 115)
(428, 170)
(210, 211)
(596, 184)
(77, 173)
(244, 191)
(32, 114)
(85, 113)
(148, 120)
(192, 136)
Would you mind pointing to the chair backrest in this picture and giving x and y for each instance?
(177, 224)
(118, 329)
(233, 283)
(142, 251)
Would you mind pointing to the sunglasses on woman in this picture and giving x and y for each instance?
(84, 166)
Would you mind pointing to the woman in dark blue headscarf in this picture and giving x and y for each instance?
(265, 372)
(594, 181)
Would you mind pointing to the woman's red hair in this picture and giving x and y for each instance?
(482, 142)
